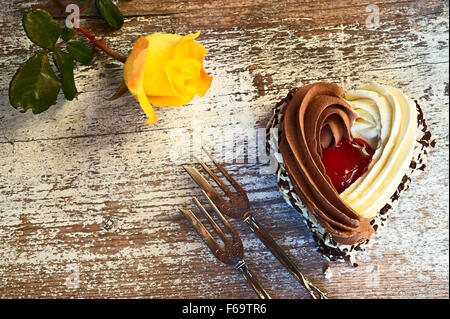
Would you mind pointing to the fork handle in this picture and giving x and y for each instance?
(278, 252)
(252, 280)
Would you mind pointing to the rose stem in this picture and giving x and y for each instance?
(59, 5)
(62, 7)
(65, 42)
(99, 44)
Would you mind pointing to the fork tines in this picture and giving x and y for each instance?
(237, 206)
(237, 202)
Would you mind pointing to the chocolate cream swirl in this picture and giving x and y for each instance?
(315, 118)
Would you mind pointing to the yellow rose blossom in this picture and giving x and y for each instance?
(166, 70)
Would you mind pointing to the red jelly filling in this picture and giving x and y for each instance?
(346, 161)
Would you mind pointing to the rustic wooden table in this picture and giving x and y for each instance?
(87, 189)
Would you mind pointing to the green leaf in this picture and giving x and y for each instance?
(35, 85)
(41, 28)
(120, 91)
(80, 51)
(67, 33)
(64, 62)
(110, 13)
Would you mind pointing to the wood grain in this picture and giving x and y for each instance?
(87, 184)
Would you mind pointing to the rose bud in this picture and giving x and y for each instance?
(166, 70)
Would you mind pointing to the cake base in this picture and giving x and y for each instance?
(329, 248)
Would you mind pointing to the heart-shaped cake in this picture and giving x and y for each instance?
(345, 157)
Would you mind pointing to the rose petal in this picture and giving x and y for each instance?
(170, 100)
(133, 71)
(203, 83)
(161, 52)
(181, 72)
(147, 107)
(166, 70)
(197, 51)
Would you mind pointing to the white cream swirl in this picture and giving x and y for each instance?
(387, 120)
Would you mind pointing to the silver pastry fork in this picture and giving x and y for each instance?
(238, 206)
(232, 252)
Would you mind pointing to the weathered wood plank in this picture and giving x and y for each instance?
(233, 13)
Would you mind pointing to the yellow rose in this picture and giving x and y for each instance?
(166, 70)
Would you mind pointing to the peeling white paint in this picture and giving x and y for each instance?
(67, 170)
